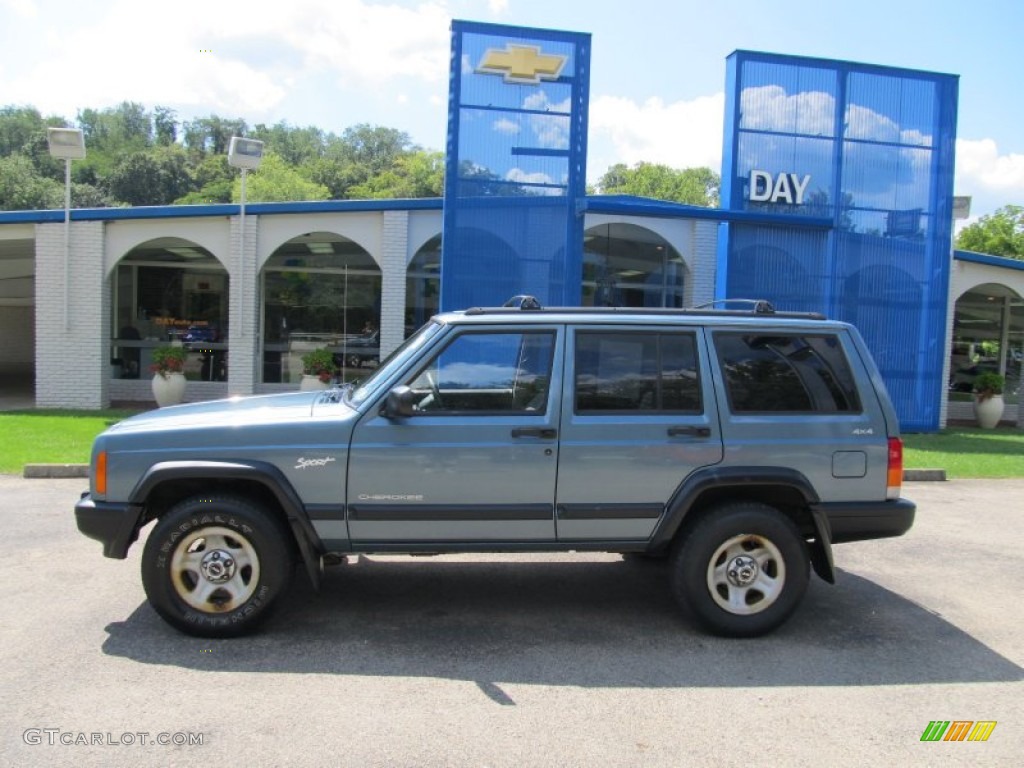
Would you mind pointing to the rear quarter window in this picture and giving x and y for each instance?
(786, 373)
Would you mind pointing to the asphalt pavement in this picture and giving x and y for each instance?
(519, 660)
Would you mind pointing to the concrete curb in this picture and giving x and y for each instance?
(55, 471)
(918, 475)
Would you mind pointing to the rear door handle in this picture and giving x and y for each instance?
(543, 432)
(689, 431)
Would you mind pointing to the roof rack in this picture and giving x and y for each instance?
(527, 303)
(758, 306)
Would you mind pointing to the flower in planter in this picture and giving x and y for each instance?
(168, 360)
(319, 363)
(987, 384)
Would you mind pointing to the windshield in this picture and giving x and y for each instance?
(395, 360)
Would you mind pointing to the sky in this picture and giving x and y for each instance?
(657, 66)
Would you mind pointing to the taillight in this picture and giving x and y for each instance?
(895, 475)
(100, 474)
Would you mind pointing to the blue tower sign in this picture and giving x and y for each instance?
(869, 149)
(516, 165)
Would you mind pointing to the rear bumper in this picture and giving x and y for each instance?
(859, 521)
(116, 526)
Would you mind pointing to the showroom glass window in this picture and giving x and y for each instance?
(320, 290)
(170, 291)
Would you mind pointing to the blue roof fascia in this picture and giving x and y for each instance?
(627, 205)
(991, 261)
(224, 209)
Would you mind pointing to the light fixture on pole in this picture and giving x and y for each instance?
(66, 144)
(245, 154)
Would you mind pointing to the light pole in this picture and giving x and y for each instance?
(245, 154)
(66, 144)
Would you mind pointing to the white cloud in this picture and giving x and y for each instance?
(979, 164)
(520, 176)
(504, 125)
(681, 134)
(26, 9)
(229, 56)
(551, 132)
(770, 108)
(497, 7)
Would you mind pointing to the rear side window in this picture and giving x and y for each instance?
(776, 373)
(636, 373)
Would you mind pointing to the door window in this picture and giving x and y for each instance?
(488, 373)
(636, 372)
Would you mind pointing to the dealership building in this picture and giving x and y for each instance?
(836, 198)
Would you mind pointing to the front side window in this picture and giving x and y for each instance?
(636, 373)
(488, 373)
(782, 373)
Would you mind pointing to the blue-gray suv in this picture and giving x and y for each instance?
(740, 445)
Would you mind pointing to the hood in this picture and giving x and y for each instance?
(235, 411)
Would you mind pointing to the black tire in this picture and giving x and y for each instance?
(741, 570)
(215, 566)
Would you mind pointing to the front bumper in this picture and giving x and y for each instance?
(860, 521)
(115, 525)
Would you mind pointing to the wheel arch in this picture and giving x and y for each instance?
(167, 483)
(783, 488)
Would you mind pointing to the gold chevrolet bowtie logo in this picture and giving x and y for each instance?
(521, 64)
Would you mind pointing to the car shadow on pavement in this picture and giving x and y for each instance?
(585, 623)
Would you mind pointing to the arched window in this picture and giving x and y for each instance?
(423, 285)
(166, 290)
(320, 290)
(628, 266)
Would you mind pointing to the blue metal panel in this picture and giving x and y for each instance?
(516, 165)
(875, 146)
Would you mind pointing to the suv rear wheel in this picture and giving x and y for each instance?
(741, 570)
(215, 566)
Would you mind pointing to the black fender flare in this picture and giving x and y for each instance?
(681, 505)
(261, 472)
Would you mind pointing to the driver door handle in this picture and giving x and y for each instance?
(546, 433)
(689, 432)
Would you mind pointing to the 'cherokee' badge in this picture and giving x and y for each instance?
(522, 64)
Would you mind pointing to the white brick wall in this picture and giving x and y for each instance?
(394, 248)
(72, 349)
(704, 247)
(243, 320)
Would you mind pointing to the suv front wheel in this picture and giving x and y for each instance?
(741, 570)
(215, 566)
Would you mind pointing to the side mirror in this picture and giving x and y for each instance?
(401, 402)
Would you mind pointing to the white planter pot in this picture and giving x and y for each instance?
(169, 389)
(310, 383)
(988, 412)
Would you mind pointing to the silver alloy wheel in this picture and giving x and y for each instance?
(746, 574)
(215, 569)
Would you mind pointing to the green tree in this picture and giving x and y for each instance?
(212, 134)
(156, 176)
(165, 125)
(18, 127)
(419, 174)
(297, 146)
(998, 234)
(362, 152)
(276, 181)
(212, 180)
(23, 189)
(694, 186)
